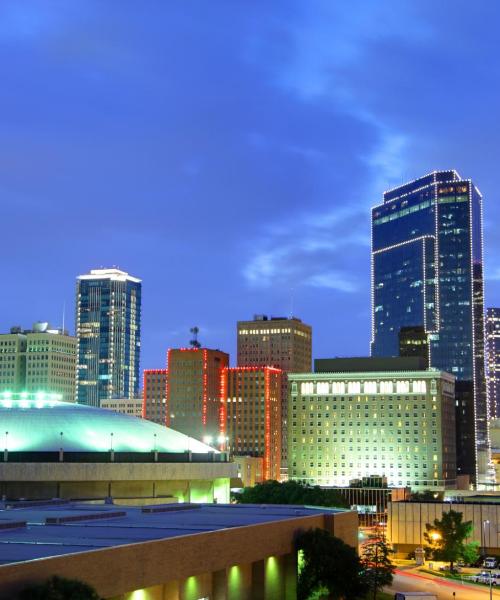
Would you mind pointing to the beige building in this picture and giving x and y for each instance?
(406, 523)
(126, 406)
(351, 425)
(193, 391)
(154, 406)
(250, 471)
(38, 360)
(285, 343)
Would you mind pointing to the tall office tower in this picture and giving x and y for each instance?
(493, 354)
(427, 271)
(108, 328)
(154, 399)
(193, 391)
(251, 414)
(359, 417)
(42, 359)
(280, 342)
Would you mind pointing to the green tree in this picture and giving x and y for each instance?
(59, 588)
(290, 492)
(328, 568)
(376, 560)
(445, 538)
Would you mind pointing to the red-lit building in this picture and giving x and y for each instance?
(154, 399)
(193, 391)
(251, 414)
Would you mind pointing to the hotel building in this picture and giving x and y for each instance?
(154, 400)
(347, 424)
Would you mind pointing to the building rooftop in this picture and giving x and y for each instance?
(30, 531)
(112, 274)
(369, 364)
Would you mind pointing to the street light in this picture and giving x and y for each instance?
(435, 536)
(485, 522)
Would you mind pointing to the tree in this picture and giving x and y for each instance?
(329, 567)
(446, 538)
(290, 492)
(377, 563)
(59, 588)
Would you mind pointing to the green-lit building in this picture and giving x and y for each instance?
(352, 422)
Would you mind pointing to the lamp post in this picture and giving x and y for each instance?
(485, 522)
(6, 449)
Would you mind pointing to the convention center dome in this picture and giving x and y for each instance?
(41, 423)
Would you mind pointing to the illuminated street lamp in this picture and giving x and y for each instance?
(435, 536)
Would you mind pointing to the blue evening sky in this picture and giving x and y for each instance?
(228, 152)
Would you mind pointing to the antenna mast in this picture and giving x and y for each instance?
(194, 343)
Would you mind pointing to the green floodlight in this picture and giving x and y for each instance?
(24, 395)
(7, 394)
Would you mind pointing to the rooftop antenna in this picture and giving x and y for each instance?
(194, 343)
(63, 316)
(292, 292)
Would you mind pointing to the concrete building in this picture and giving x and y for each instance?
(61, 450)
(406, 523)
(251, 414)
(108, 328)
(154, 407)
(193, 391)
(38, 359)
(250, 471)
(347, 424)
(173, 552)
(285, 343)
(126, 406)
(493, 360)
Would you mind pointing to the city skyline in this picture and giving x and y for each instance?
(275, 183)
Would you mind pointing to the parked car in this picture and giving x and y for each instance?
(490, 562)
(485, 576)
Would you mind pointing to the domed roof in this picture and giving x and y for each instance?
(38, 423)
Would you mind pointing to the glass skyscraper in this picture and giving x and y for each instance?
(427, 271)
(108, 328)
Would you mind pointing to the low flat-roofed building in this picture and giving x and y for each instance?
(163, 552)
(406, 523)
(351, 424)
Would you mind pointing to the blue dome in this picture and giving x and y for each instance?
(36, 425)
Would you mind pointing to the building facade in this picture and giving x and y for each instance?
(108, 328)
(427, 271)
(280, 342)
(193, 391)
(154, 399)
(398, 425)
(42, 359)
(125, 406)
(493, 361)
(251, 412)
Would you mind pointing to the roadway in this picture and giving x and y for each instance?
(410, 580)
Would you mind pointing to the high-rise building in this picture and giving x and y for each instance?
(413, 341)
(251, 413)
(193, 391)
(427, 271)
(154, 404)
(42, 359)
(108, 328)
(280, 342)
(493, 354)
(348, 424)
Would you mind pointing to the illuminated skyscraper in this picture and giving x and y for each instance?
(427, 271)
(251, 414)
(108, 328)
(193, 392)
(493, 354)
